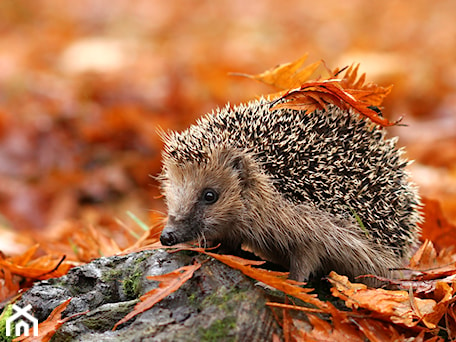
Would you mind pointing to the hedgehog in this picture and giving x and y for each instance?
(312, 192)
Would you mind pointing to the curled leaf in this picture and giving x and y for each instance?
(398, 307)
(318, 94)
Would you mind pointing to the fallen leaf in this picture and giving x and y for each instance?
(324, 331)
(47, 328)
(436, 227)
(277, 280)
(396, 306)
(450, 318)
(8, 286)
(443, 294)
(378, 331)
(169, 283)
(433, 265)
(43, 267)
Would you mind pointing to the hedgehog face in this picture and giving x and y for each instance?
(204, 199)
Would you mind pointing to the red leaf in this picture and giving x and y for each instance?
(298, 99)
(47, 329)
(169, 283)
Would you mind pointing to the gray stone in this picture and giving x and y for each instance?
(217, 304)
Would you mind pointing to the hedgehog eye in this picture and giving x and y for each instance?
(210, 196)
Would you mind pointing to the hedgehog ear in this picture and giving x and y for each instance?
(237, 162)
(240, 165)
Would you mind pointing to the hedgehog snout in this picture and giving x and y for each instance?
(178, 230)
(168, 238)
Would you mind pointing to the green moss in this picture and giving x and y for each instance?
(132, 284)
(112, 275)
(219, 330)
(103, 318)
(224, 298)
(7, 312)
(193, 299)
(143, 257)
(130, 279)
(97, 324)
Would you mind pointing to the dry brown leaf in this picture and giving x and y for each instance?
(169, 283)
(396, 306)
(324, 331)
(433, 265)
(288, 75)
(451, 321)
(443, 294)
(43, 267)
(9, 287)
(348, 92)
(318, 94)
(436, 227)
(277, 280)
(47, 328)
(370, 93)
(378, 331)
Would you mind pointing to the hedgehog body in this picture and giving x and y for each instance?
(313, 192)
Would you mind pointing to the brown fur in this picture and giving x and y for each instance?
(250, 211)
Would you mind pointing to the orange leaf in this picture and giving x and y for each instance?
(287, 325)
(444, 293)
(169, 283)
(436, 227)
(276, 280)
(323, 331)
(106, 245)
(349, 92)
(9, 287)
(152, 235)
(451, 321)
(298, 99)
(44, 267)
(433, 265)
(396, 306)
(370, 94)
(24, 258)
(378, 331)
(13, 270)
(288, 75)
(47, 329)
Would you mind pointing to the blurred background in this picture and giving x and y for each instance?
(84, 85)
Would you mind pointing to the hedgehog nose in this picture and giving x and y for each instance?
(168, 238)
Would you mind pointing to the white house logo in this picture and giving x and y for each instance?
(21, 326)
